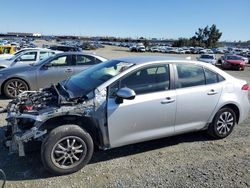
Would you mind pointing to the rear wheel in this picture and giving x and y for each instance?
(66, 149)
(13, 87)
(223, 123)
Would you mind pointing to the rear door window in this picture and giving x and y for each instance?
(84, 60)
(190, 75)
(211, 77)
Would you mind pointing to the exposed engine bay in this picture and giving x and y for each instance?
(30, 110)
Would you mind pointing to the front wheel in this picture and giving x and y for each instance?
(66, 149)
(223, 123)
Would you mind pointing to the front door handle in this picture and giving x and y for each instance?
(212, 92)
(68, 70)
(167, 100)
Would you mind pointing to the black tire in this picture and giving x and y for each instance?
(219, 129)
(55, 138)
(18, 86)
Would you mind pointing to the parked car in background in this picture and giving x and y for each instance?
(218, 50)
(137, 48)
(27, 57)
(154, 49)
(121, 102)
(9, 56)
(65, 48)
(7, 49)
(207, 58)
(247, 57)
(233, 62)
(17, 79)
(205, 51)
(172, 50)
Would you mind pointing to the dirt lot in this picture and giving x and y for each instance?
(190, 160)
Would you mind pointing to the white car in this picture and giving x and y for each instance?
(27, 57)
(207, 58)
(9, 56)
(138, 48)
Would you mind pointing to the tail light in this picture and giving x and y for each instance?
(245, 87)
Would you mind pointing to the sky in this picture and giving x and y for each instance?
(168, 19)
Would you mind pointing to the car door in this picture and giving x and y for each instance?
(83, 62)
(57, 69)
(150, 115)
(197, 94)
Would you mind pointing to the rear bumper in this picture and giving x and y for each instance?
(244, 111)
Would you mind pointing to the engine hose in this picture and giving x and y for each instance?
(4, 177)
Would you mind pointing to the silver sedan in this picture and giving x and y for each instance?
(125, 101)
(33, 76)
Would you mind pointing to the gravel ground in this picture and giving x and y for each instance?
(190, 160)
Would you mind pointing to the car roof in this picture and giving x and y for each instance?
(78, 53)
(139, 61)
(208, 54)
(151, 59)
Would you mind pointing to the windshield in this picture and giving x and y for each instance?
(233, 57)
(86, 81)
(13, 57)
(17, 54)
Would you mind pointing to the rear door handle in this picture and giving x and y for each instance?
(167, 100)
(212, 92)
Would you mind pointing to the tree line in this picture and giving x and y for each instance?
(205, 37)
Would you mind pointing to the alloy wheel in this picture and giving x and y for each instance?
(225, 123)
(15, 87)
(68, 152)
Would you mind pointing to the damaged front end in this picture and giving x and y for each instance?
(27, 113)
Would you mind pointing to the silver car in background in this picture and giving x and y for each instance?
(27, 57)
(207, 58)
(33, 76)
(121, 102)
(9, 56)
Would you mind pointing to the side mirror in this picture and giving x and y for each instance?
(18, 59)
(47, 65)
(124, 93)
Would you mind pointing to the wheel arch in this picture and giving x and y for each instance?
(86, 123)
(232, 106)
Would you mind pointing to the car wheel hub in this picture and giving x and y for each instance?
(15, 88)
(68, 152)
(225, 123)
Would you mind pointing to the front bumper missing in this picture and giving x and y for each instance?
(18, 138)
